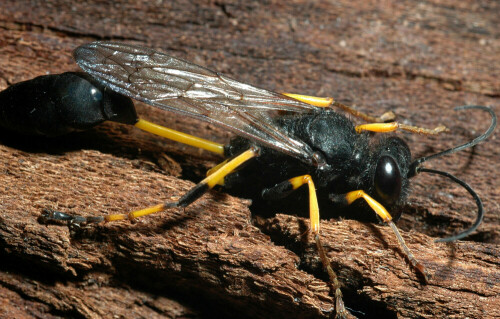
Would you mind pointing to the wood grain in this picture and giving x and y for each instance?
(216, 258)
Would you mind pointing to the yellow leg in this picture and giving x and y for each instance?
(329, 101)
(208, 183)
(313, 200)
(313, 100)
(393, 126)
(180, 137)
(212, 179)
(192, 195)
(215, 168)
(386, 217)
(296, 182)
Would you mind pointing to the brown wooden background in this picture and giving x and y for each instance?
(216, 259)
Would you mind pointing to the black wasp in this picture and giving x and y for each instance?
(288, 140)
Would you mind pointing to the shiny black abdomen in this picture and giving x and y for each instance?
(53, 105)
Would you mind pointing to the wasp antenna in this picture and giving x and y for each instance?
(479, 203)
(415, 166)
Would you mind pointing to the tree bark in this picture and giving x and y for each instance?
(216, 258)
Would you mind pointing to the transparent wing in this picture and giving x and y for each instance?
(179, 86)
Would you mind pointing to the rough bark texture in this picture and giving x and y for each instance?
(216, 258)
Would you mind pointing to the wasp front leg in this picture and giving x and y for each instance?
(393, 126)
(330, 102)
(380, 210)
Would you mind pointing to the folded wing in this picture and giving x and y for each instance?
(179, 86)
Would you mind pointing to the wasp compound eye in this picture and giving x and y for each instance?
(387, 179)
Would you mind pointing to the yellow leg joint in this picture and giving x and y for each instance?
(229, 167)
(312, 100)
(376, 206)
(215, 168)
(313, 200)
(378, 127)
(180, 137)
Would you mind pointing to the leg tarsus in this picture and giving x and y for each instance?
(49, 215)
(340, 310)
(386, 117)
(411, 258)
(423, 130)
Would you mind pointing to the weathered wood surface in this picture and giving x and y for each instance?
(215, 258)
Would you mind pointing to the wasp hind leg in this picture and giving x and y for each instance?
(180, 137)
(284, 189)
(193, 194)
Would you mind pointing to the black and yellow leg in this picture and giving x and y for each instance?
(393, 126)
(192, 195)
(329, 101)
(285, 188)
(180, 137)
(386, 217)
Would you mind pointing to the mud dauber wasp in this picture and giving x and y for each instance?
(284, 140)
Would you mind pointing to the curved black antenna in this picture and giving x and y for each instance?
(416, 168)
(479, 203)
